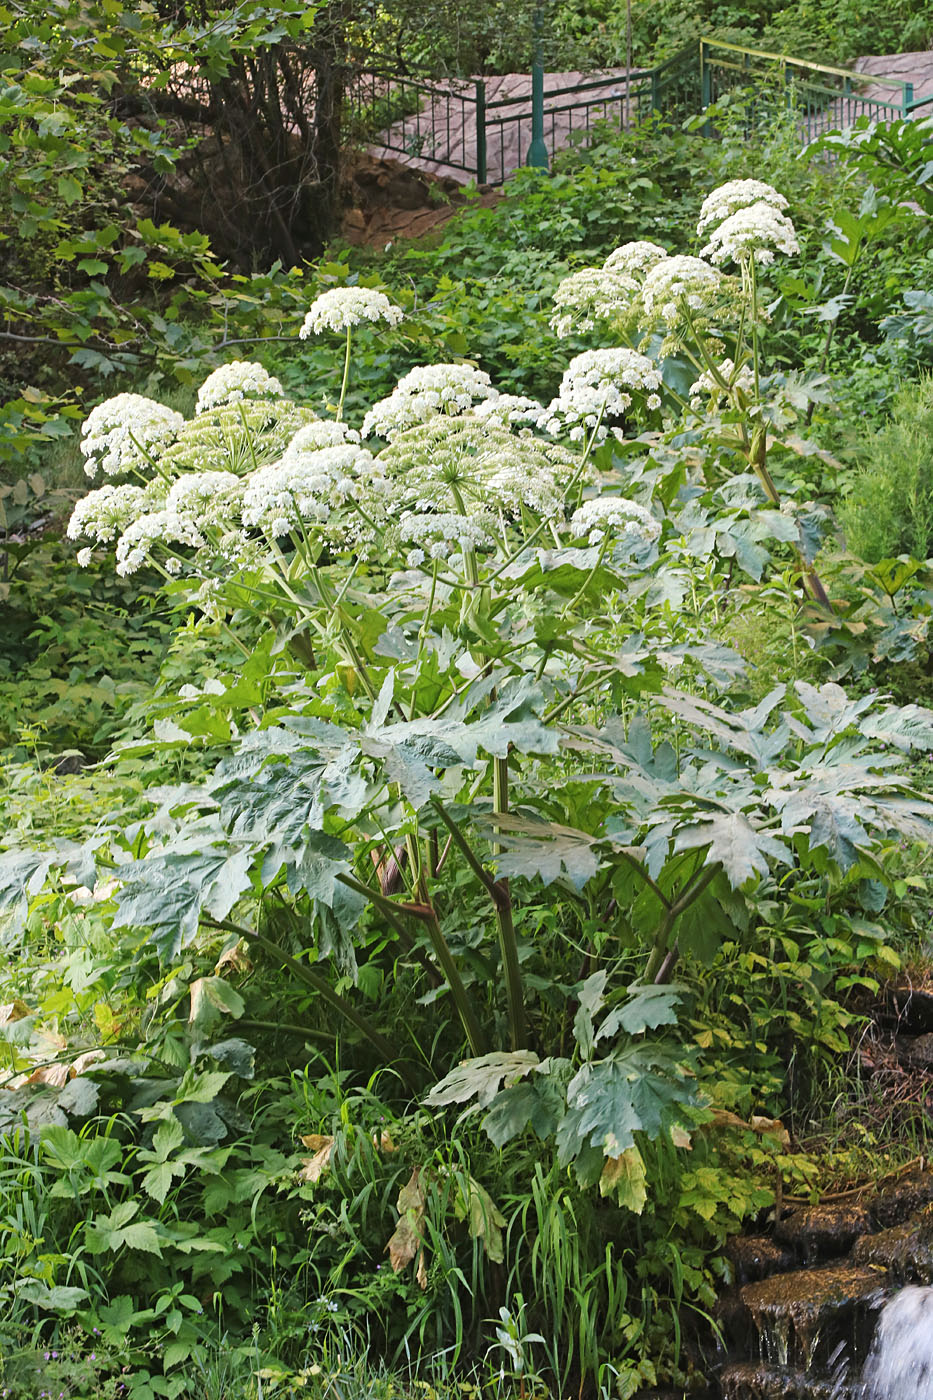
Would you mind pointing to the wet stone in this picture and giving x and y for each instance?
(902, 1199)
(755, 1257)
(824, 1231)
(802, 1317)
(905, 1250)
(754, 1380)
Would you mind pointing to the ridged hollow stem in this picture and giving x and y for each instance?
(426, 913)
(346, 374)
(683, 902)
(500, 896)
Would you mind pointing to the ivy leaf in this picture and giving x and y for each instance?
(480, 1078)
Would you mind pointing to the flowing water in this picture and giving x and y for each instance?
(900, 1366)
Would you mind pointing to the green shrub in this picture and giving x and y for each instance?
(889, 510)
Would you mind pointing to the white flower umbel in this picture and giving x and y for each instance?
(709, 385)
(121, 434)
(240, 379)
(511, 410)
(437, 536)
(613, 515)
(304, 488)
(105, 513)
(759, 231)
(135, 545)
(598, 387)
(466, 464)
(589, 296)
(735, 195)
(207, 499)
(636, 259)
(677, 279)
(326, 433)
(342, 308)
(423, 393)
(236, 437)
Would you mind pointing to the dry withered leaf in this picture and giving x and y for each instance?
(407, 1240)
(313, 1167)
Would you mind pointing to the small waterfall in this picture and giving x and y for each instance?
(900, 1366)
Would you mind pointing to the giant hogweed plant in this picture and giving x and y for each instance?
(467, 634)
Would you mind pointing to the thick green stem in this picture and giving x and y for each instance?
(425, 912)
(662, 937)
(346, 374)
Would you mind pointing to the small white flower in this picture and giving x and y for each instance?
(84, 557)
(424, 392)
(135, 545)
(121, 434)
(189, 692)
(734, 195)
(441, 534)
(624, 519)
(206, 498)
(343, 307)
(306, 486)
(511, 410)
(240, 379)
(758, 231)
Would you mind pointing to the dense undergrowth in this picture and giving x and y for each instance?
(601, 793)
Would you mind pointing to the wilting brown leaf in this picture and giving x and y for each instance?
(680, 1137)
(56, 1075)
(407, 1239)
(484, 1218)
(384, 1142)
(626, 1176)
(313, 1167)
(766, 1127)
(236, 958)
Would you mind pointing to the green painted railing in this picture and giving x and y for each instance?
(455, 124)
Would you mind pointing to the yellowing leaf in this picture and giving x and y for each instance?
(626, 1176)
(407, 1240)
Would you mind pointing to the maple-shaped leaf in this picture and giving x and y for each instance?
(480, 1078)
(742, 851)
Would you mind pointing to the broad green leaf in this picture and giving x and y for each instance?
(55, 1298)
(480, 1078)
(647, 1006)
(744, 852)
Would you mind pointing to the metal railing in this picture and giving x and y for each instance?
(820, 97)
(455, 124)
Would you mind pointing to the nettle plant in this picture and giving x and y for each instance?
(453, 759)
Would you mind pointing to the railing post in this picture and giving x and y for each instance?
(537, 151)
(655, 91)
(706, 88)
(907, 100)
(480, 92)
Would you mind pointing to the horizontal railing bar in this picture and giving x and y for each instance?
(799, 62)
(576, 87)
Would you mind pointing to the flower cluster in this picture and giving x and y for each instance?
(449, 464)
(511, 410)
(598, 388)
(743, 381)
(625, 520)
(437, 536)
(758, 231)
(236, 437)
(675, 279)
(727, 199)
(123, 433)
(345, 307)
(211, 499)
(240, 379)
(592, 295)
(304, 488)
(424, 392)
(324, 433)
(103, 514)
(634, 260)
(134, 547)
